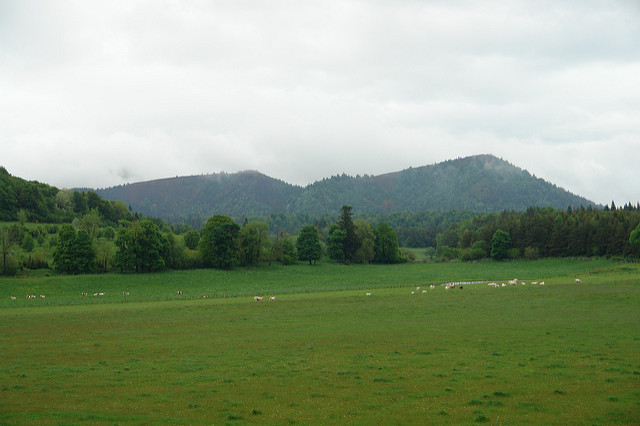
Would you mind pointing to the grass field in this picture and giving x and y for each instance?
(323, 352)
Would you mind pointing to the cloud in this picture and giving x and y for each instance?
(101, 94)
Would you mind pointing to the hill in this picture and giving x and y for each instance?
(247, 193)
(482, 183)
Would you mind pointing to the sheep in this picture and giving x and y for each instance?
(504, 285)
(513, 282)
(42, 296)
(85, 294)
(534, 282)
(272, 298)
(126, 293)
(413, 292)
(13, 298)
(179, 293)
(541, 282)
(258, 298)
(578, 281)
(101, 294)
(432, 287)
(368, 294)
(418, 288)
(424, 291)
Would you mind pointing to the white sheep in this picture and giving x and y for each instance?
(432, 286)
(258, 298)
(578, 281)
(272, 298)
(368, 294)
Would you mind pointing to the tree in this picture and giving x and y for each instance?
(254, 237)
(366, 235)
(142, 247)
(74, 252)
(634, 237)
(6, 242)
(219, 242)
(351, 241)
(500, 244)
(191, 239)
(308, 244)
(83, 251)
(386, 244)
(90, 222)
(63, 254)
(283, 249)
(336, 243)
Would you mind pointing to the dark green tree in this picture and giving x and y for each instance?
(500, 244)
(74, 251)
(351, 241)
(142, 247)
(6, 242)
(63, 255)
(84, 252)
(336, 243)
(634, 237)
(191, 239)
(308, 244)
(386, 244)
(219, 242)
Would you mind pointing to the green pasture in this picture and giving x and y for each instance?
(323, 352)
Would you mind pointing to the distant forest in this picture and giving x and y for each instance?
(105, 230)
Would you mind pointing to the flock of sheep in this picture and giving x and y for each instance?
(447, 286)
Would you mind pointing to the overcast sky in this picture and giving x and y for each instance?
(100, 93)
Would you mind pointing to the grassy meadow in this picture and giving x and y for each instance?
(323, 352)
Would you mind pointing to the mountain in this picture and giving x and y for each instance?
(482, 183)
(245, 193)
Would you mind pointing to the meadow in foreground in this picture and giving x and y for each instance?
(562, 353)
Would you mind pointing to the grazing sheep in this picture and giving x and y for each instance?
(578, 281)
(368, 294)
(418, 288)
(42, 296)
(534, 282)
(85, 294)
(413, 292)
(126, 293)
(258, 298)
(13, 298)
(541, 282)
(272, 298)
(513, 282)
(504, 285)
(101, 294)
(432, 287)
(179, 293)
(424, 291)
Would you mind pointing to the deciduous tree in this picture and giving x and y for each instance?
(308, 244)
(219, 242)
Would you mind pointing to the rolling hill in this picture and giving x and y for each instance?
(482, 183)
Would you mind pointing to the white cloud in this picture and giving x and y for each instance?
(99, 94)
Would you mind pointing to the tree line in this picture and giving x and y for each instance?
(545, 232)
(142, 245)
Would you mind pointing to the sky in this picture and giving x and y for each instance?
(102, 93)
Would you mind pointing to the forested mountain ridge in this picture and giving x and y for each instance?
(247, 193)
(482, 183)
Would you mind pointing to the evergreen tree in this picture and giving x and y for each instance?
(351, 241)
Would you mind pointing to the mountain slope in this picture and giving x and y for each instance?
(481, 183)
(237, 194)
